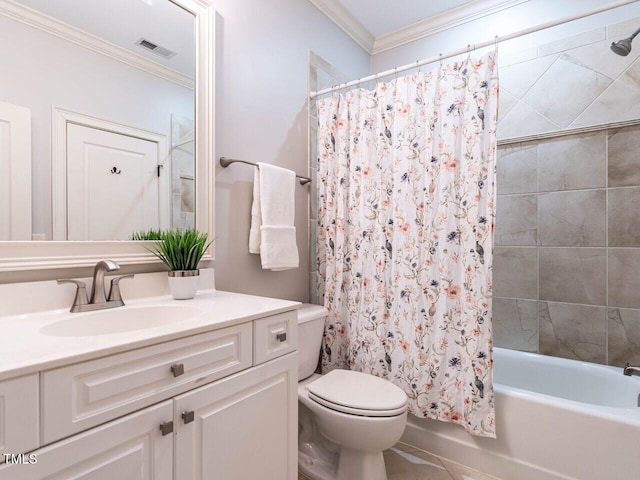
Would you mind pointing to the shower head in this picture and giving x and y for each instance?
(623, 47)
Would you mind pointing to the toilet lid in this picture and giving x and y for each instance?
(358, 393)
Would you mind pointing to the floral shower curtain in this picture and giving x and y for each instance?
(406, 207)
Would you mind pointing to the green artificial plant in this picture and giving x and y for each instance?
(181, 249)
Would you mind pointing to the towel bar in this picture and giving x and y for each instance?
(225, 162)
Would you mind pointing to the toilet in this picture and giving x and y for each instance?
(346, 419)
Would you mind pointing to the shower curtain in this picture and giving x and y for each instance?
(406, 207)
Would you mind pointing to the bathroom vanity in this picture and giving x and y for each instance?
(200, 389)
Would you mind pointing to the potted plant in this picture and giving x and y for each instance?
(181, 251)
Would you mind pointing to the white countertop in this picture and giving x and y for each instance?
(27, 347)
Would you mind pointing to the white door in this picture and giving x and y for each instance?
(15, 172)
(113, 184)
(241, 427)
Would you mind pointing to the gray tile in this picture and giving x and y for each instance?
(515, 272)
(624, 336)
(568, 219)
(570, 163)
(517, 56)
(461, 472)
(619, 102)
(515, 324)
(624, 161)
(522, 120)
(516, 220)
(413, 464)
(624, 280)
(565, 79)
(516, 170)
(573, 275)
(618, 31)
(572, 42)
(624, 217)
(573, 331)
(597, 56)
(520, 77)
(506, 101)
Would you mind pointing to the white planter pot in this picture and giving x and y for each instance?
(183, 284)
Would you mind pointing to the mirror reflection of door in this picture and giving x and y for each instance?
(15, 172)
(109, 173)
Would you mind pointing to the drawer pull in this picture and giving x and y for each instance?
(281, 337)
(188, 417)
(177, 369)
(166, 428)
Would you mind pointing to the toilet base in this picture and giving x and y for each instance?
(352, 465)
(356, 465)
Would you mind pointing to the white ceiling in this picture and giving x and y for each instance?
(383, 16)
(123, 22)
(379, 25)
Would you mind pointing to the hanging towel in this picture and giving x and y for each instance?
(273, 234)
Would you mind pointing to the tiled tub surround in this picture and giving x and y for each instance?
(570, 83)
(567, 247)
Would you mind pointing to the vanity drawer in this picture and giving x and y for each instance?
(275, 336)
(18, 415)
(83, 395)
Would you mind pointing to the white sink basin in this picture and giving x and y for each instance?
(118, 320)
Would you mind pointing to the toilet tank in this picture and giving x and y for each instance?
(310, 327)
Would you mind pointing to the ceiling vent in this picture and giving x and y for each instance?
(155, 48)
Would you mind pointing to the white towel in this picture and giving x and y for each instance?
(273, 234)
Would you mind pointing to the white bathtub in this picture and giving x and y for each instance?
(555, 419)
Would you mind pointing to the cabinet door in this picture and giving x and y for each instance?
(18, 415)
(243, 426)
(130, 448)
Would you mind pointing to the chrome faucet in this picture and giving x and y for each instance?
(98, 295)
(98, 300)
(630, 370)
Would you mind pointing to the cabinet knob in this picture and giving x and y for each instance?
(281, 337)
(188, 417)
(166, 428)
(177, 369)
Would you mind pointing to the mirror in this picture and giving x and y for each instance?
(164, 101)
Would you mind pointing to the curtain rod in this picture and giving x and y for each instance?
(469, 48)
(225, 162)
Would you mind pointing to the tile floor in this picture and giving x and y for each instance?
(409, 463)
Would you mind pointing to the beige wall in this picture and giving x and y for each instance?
(261, 116)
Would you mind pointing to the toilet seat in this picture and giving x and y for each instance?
(357, 393)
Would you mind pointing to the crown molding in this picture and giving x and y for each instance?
(47, 24)
(347, 22)
(448, 19)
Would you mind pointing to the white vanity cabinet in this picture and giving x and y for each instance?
(216, 405)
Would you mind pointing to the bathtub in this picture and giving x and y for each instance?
(555, 419)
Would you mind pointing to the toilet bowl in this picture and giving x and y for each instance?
(346, 419)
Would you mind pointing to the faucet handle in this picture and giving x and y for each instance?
(114, 291)
(81, 292)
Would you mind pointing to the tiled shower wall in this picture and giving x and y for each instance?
(567, 244)
(567, 247)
